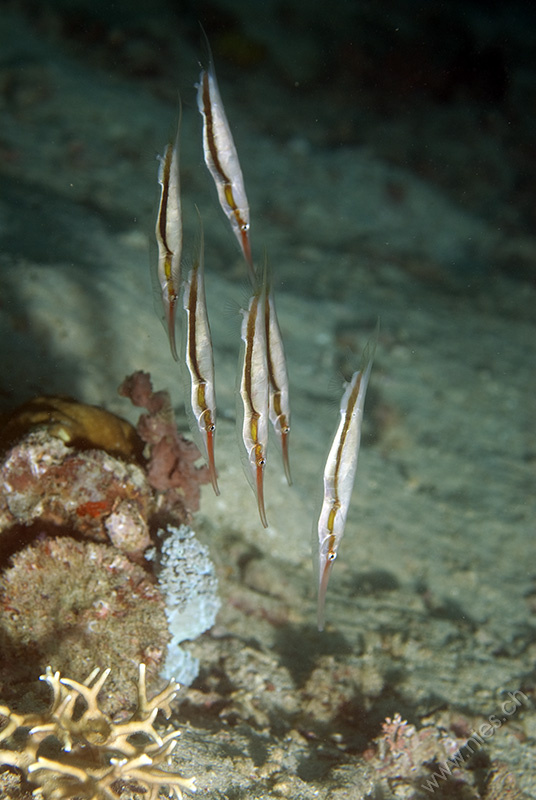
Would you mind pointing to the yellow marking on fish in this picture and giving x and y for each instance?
(255, 398)
(200, 363)
(277, 375)
(339, 472)
(168, 231)
(222, 161)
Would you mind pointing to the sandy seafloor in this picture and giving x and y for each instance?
(431, 603)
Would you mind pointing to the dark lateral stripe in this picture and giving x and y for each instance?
(207, 105)
(269, 360)
(349, 410)
(162, 216)
(211, 138)
(250, 336)
(192, 322)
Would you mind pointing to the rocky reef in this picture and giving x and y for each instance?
(85, 496)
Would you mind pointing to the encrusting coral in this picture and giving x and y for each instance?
(171, 468)
(77, 605)
(87, 493)
(72, 752)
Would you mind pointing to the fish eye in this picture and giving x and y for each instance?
(261, 462)
(331, 556)
(245, 227)
(211, 428)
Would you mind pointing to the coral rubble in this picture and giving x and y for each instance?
(75, 750)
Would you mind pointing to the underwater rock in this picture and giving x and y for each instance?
(187, 580)
(77, 424)
(76, 589)
(84, 492)
(76, 605)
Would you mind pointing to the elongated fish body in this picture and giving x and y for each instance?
(169, 237)
(221, 159)
(254, 394)
(339, 474)
(200, 363)
(279, 405)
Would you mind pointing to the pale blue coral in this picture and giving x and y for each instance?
(187, 580)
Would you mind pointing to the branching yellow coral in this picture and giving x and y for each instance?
(86, 754)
